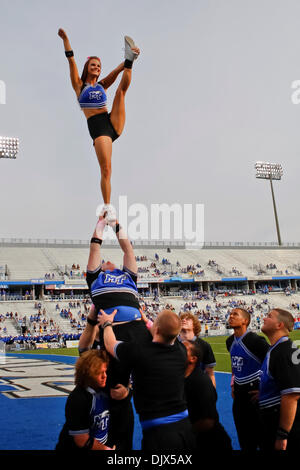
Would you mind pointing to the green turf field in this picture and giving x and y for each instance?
(222, 356)
(217, 343)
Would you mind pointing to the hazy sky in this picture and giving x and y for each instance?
(210, 96)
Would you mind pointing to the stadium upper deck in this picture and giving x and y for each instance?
(35, 268)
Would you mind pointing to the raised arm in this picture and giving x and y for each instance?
(88, 335)
(129, 260)
(109, 337)
(94, 260)
(75, 79)
(112, 76)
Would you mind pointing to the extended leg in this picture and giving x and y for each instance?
(117, 115)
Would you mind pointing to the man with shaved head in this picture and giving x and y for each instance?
(158, 371)
(280, 385)
(247, 351)
(168, 325)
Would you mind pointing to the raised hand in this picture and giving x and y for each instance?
(62, 34)
(136, 50)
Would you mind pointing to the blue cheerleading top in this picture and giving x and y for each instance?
(270, 391)
(113, 282)
(92, 97)
(115, 290)
(245, 364)
(94, 415)
(99, 415)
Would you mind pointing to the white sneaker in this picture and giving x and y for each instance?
(111, 215)
(129, 53)
(107, 211)
(101, 209)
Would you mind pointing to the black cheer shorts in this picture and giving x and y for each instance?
(100, 124)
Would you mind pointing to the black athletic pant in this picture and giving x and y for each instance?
(121, 411)
(246, 419)
(134, 331)
(268, 427)
(121, 424)
(216, 438)
(172, 437)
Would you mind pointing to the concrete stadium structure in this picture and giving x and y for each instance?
(53, 271)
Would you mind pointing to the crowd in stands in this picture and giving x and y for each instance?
(78, 320)
(143, 269)
(236, 271)
(40, 328)
(141, 258)
(73, 271)
(163, 267)
(75, 274)
(263, 270)
(213, 315)
(157, 270)
(33, 340)
(216, 313)
(49, 276)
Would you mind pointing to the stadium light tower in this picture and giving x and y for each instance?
(9, 147)
(270, 171)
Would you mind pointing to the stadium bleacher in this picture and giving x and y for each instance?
(207, 281)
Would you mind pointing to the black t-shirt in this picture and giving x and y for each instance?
(280, 376)
(255, 343)
(201, 399)
(284, 367)
(201, 396)
(158, 377)
(208, 358)
(86, 411)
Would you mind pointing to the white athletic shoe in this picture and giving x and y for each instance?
(107, 211)
(129, 53)
(101, 209)
(111, 215)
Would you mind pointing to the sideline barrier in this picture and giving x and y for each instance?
(72, 344)
(47, 345)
